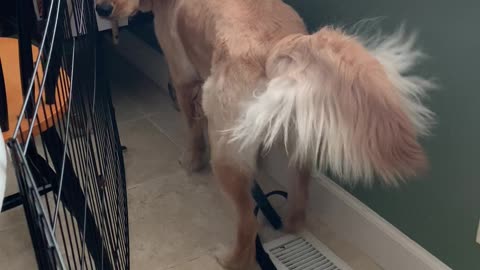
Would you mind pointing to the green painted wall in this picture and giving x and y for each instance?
(441, 211)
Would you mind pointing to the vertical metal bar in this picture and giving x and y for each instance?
(55, 60)
(24, 11)
(93, 195)
(3, 102)
(72, 194)
(104, 87)
(29, 213)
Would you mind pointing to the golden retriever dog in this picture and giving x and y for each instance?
(250, 71)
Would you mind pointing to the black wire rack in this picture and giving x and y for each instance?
(65, 147)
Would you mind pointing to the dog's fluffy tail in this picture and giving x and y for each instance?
(344, 104)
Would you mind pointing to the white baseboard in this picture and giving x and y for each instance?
(356, 223)
(343, 213)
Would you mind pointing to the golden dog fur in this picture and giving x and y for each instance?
(338, 101)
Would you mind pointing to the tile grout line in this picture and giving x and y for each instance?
(129, 121)
(161, 130)
(179, 172)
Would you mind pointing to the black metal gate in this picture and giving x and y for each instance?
(65, 147)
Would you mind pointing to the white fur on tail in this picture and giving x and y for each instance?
(343, 104)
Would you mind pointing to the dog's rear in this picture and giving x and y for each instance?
(339, 102)
(344, 104)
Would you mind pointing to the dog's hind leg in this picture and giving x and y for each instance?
(234, 171)
(236, 184)
(297, 201)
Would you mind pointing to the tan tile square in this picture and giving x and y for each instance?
(202, 263)
(206, 262)
(12, 218)
(172, 125)
(176, 218)
(150, 154)
(151, 98)
(16, 251)
(125, 110)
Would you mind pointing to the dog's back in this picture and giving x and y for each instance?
(346, 104)
(216, 31)
(228, 43)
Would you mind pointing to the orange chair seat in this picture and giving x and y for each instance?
(48, 114)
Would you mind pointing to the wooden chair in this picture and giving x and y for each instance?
(44, 172)
(12, 100)
(11, 105)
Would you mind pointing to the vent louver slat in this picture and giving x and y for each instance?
(303, 253)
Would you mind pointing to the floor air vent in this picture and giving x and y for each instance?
(303, 252)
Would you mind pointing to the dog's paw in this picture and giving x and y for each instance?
(246, 261)
(229, 264)
(193, 161)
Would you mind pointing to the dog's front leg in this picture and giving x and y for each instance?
(189, 100)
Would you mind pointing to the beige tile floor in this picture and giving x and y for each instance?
(177, 221)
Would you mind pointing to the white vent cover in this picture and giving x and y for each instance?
(303, 252)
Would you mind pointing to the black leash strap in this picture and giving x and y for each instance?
(263, 259)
